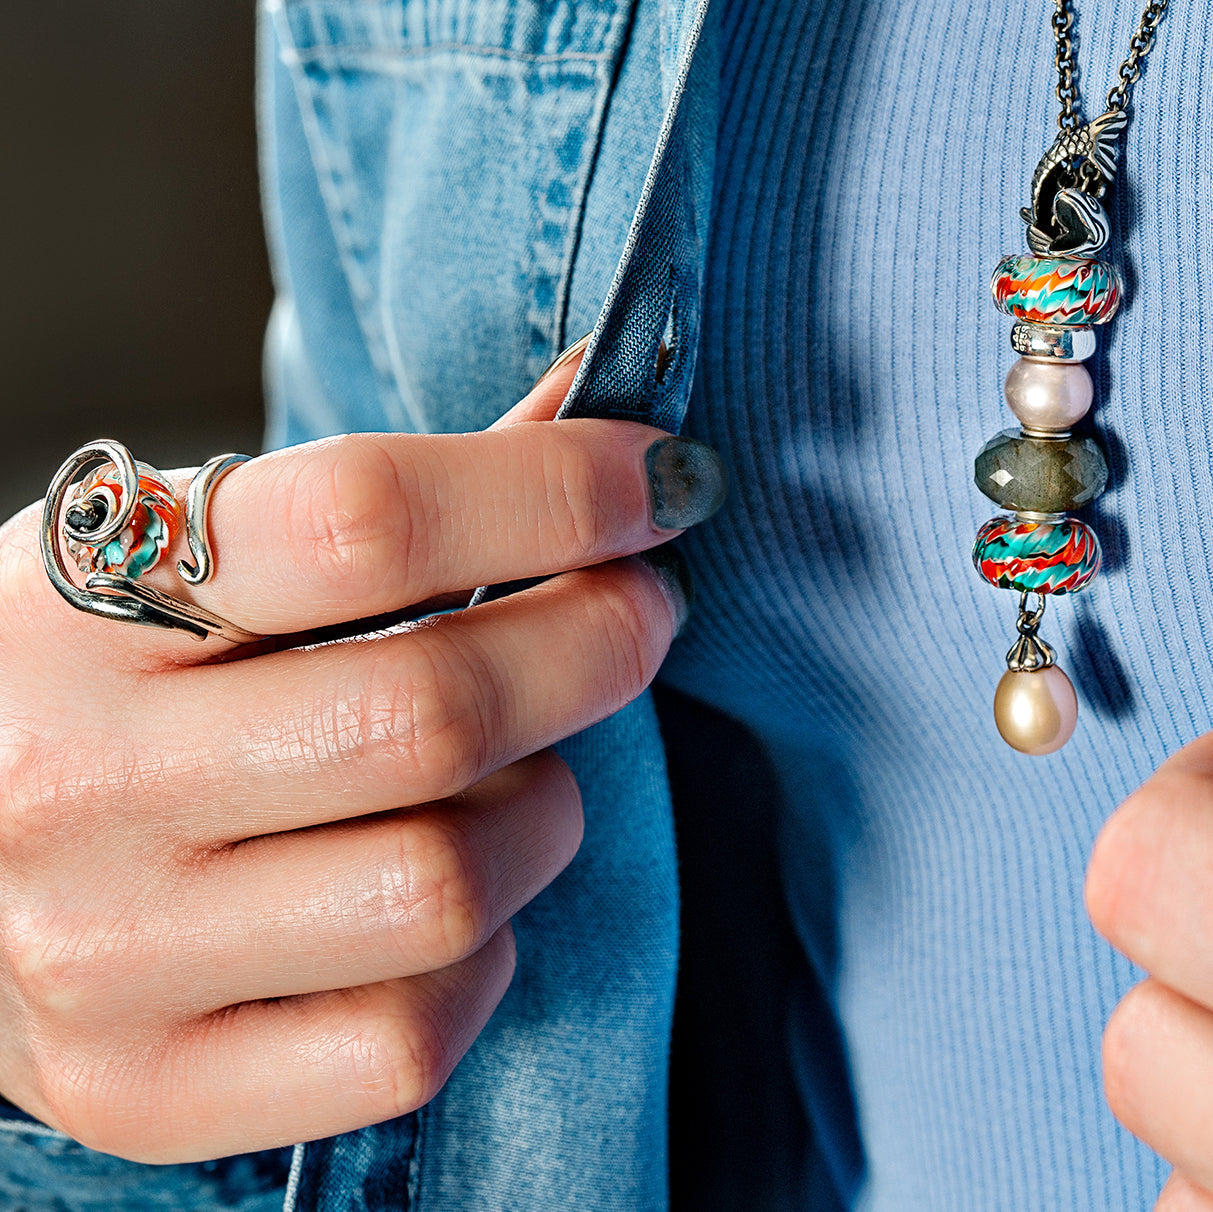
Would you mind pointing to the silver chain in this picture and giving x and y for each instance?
(1126, 74)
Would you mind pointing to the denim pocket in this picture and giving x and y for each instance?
(42, 1170)
(453, 144)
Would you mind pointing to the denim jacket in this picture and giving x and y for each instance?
(405, 104)
(375, 115)
(449, 203)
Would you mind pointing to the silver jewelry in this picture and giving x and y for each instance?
(1055, 293)
(116, 524)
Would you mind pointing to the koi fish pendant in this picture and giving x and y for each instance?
(1066, 218)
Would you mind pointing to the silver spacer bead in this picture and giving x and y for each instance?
(1053, 344)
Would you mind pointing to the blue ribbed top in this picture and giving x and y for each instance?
(872, 161)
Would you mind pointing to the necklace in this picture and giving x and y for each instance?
(1055, 293)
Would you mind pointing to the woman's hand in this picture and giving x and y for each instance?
(1150, 893)
(254, 896)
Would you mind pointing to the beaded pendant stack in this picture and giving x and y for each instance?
(1040, 471)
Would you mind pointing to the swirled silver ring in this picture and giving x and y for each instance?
(115, 523)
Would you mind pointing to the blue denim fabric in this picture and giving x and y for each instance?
(562, 1101)
(42, 1170)
(846, 354)
(437, 133)
(384, 126)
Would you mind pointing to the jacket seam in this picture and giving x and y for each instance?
(392, 53)
(618, 37)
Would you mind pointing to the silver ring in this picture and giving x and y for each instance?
(116, 523)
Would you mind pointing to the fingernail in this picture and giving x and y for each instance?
(675, 576)
(687, 482)
(564, 358)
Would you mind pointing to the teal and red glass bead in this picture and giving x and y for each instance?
(1058, 291)
(152, 527)
(1036, 557)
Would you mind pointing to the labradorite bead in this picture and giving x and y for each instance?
(1040, 475)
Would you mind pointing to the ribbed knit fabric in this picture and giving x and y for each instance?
(872, 160)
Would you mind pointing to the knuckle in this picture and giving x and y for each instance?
(35, 792)
(444, 899)
(60, 967)
(402, 723)
(409, 1056)
(626, 625)
(436, 720)
(54, 794)
(578, 506)
(354, 522)
(374, 721)
(1126, 1039)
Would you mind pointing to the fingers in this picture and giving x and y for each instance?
(1149, 892)
(305, 737)
(366, 524)
(363, 525)
(1158, 1075)
(270, 1073)
(372, 900)
(1181, 1195)
(1149, 885)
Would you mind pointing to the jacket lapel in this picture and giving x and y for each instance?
(657, 288)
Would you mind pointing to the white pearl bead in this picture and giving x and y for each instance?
(1048, 395)
(1035, 710)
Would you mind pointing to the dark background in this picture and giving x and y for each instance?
(135, 288)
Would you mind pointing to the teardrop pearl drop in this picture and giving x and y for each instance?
(1035, 710)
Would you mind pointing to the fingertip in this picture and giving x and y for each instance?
(687, 482)
(674, 575)
(1180, 1194)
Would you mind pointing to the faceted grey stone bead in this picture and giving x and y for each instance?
(1040, 475)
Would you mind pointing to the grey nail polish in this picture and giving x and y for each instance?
(687, 482)
(675, 575)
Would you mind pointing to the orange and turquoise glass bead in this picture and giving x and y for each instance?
(152, 527)
(1057, 291)
(1056, 557)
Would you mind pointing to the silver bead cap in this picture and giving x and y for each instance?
(1029, 653)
